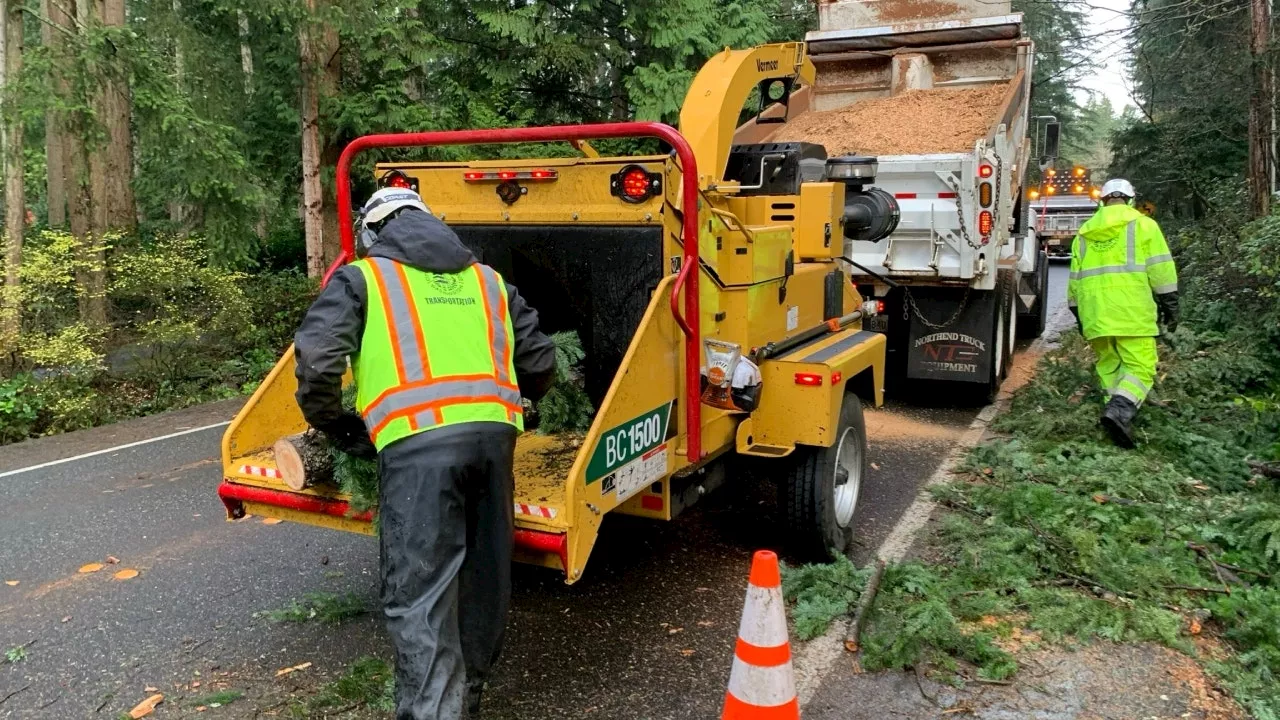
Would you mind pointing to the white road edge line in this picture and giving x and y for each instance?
(815, 659)
(117, 448)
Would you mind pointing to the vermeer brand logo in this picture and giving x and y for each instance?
(766, 65)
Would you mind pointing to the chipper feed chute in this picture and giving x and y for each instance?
(555, 526)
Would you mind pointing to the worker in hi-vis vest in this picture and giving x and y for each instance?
(1123, 282)
(442, 351)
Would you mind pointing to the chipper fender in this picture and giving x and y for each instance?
(804, 390)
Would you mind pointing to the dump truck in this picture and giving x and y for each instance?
(1065, 200)
(939, 93)
(705, 283)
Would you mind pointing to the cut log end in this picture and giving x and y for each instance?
(303, 460)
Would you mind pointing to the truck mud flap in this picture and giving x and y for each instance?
(958, 351)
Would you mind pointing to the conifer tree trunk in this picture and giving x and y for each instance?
(14, 195)
(246, 53)
(312, 190)
(112, 182)
(1260, 110)
(54, 124)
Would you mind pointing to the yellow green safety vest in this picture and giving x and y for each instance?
(437, 350)
(1119, 262)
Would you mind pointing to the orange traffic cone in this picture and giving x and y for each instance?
(762, 685)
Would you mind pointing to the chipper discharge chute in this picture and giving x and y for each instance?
(705, 288)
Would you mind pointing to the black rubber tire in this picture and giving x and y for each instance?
(1010, 322)
(1034, 323)
(806, 496)
(997, 341)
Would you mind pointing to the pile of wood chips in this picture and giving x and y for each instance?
(917, 122)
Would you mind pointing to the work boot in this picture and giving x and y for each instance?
(1118, 420)
(473, 700)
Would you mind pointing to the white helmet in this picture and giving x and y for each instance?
(1118, 188)
(380, 206)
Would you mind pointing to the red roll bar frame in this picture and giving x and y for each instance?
(686, 280)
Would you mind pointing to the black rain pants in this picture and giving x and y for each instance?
(445, 519)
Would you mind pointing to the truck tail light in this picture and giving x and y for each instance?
(985, 222)
(986, 171)
(984, 194)
(809, 379)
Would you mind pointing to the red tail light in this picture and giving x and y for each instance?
(985, 222)
(809, 379)
(634, 184)
(504, 175)
(398, 179)
(986, 171)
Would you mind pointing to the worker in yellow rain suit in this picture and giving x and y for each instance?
(1123, 281)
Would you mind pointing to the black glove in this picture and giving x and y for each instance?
(349, 435)
(1075, 311)
(1168, 304)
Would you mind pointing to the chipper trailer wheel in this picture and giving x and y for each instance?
(820, 495)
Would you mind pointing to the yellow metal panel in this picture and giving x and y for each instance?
(579, 195)
(718, 93)
(819, 233)
(306, 518)
(648, 378)
(270, 414)
(790, 414)
(542, 464)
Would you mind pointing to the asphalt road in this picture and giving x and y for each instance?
(647, 634)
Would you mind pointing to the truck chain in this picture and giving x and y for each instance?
(911, 303)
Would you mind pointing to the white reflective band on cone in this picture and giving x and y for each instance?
(762, 686)
(764, 620)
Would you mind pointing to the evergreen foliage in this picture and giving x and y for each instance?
(566, 407)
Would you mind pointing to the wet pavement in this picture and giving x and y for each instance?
(647, 633)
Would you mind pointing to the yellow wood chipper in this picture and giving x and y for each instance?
(706, 288)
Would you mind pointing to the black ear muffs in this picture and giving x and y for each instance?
(366, 237)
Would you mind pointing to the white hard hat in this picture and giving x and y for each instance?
(1118, 188)
(386, 201)
(379, 207)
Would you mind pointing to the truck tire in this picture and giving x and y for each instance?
(1033, 324)
(999, 337)
(1011, 324)
(819, 497)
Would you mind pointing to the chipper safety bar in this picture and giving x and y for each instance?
(243, 443)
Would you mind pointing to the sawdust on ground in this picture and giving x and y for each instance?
(916, 122)
(1023, 370)
(893, 425)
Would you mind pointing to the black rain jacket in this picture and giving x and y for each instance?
(334, 325)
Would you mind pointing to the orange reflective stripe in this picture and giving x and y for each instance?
(442, 390)
(488, 316)
(440, 405)
(416, 320)
(423, 383)
(391, 321)
(500, 340)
